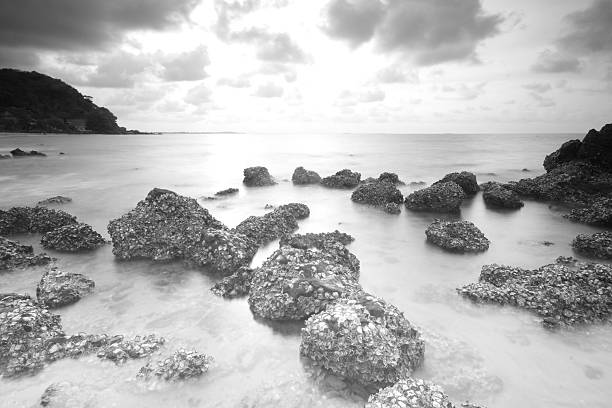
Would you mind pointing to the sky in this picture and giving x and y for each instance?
(304, 66)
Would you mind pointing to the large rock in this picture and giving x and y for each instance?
(257, 177)
(457, 236)
(57, 288)
(72, 238)
(181, 365)
(15, 255)
(364, 339)
(567, 292)
(597, 147)
(441, 197)
(221, 250)
(298, 210)
(20, 220)
(598, 245)
(342, 179)
(377, 193)
(598, 212)
(273, 225)
(498, 196)
(566, 153)
(236, 285)
(302, 176)
(465, 180)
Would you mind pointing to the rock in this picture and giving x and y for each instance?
(598, 245)
(5, 156)
(72, 238)
(15, 255)
(390, 178)
(597, 147)
(442, 197)
(410, 393)
(57, 288)
(364, 339)
(20, 153)
(236, 285)
(20, 220)
(272, 225)
(257, 177)
(496, 195)
(221, 250)
(120, 350)
(465, 180)
(567, 292)
(342, 179)
(298, 210)
(318, 240)
(598, 212)
(55, 200)
(226, 192)
(182, 365)
(66, 395)
(302, 176)
(457, 236)
(392, 208)
(378, 193)
(566, 153)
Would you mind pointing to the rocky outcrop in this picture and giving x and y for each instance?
(566, 153)
(15, 255)
(598, 245)
(72, 238)
(567, 292)
(497, 196)
(442, 197)
(55, 200)
(598, 212)
(21, 153)
(57, 288)
(236, 285)
(410, 393)
(181, 365)
(465, 180)
(457, 236)
(302, 176)
(226, 192)
(364, 339)
(378, 193)
(257, 177)
(342, 179)
(390, 178)
(273, 225)
(19, 220)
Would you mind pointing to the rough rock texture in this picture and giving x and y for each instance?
(21, 153)
(226, 192)
(410, 393)
(457, 236)
(392, 208)
(298, 210)
(317, 240)
(221, 250)
(598, 245)
(57, 288)
(441, 197)
(55, 200)
(181, 365)
(598, 212)
(566, 153)
(33, 219)
(567, 292)
(390, 177)
(236, 285)
(364, 339)
(72, 238)
(342, 179)
(257, 177)
(496, 195)
(303, 176)
(119, 349)
(273, 225)
(465, 180)
(15, 255)
(377, 193)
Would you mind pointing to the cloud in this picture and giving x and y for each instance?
(272, 68)
(394, 75)
(198, 95)
(269, 90)
(537, 87)
(240, 82)
(590, 31)
(426, 31)
(542, 101)
(352, 98)
(556, 62)
(227, 11)
(118, 70)
(464, 92)
(188, 66)
(17, 58)
(273, 47)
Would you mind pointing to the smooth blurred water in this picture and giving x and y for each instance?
(491, 355)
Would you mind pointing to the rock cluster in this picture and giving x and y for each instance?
(496, 195)
(598, 245)
(364, 339)
(302, 176)
(343, 179)
(410, 393)
(226, 192)
(57, 288)
(441, 197)
(595, 148)
(22, 153)
(465, 180)
(55, 200)
(72, 238)
(598, 212)
(236, 285)
(378, 193)
(19, 220)
(15, 255)
(567, 292)
(181, 365)
(273, 225)
(257, 177)
(457, 236)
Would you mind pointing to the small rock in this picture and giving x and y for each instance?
(57, 288)
(302, 176)
(72, 238)
(342, 179)
(182, 365)
(226, 192)
(257, 177)
(441, 197)
(457, 236)
(55, 200)
(465, 180)
(15, 255)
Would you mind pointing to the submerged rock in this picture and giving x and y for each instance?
(392, 208)
(72, 238)
(236, 285)
(598, 212)
(273, 225)
(19, 220)
(55, 200)
(66, 395)
(15, 255)
(120, 350)
(57, 288)
(257, 177)
(302, 176)
(567, 292)
(226, 192)
(410, 393)
(181, 365)
(598, 245)
(364, 339)
(465, 180)
(441, 197)
(21, 153)
(496, 195)
(377, 193)
(342, 179)
(457, 236)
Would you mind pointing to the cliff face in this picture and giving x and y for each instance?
(33, 102)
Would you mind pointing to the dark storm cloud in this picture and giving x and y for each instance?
(591, 30)
(17, 58)
(427, 31)
(84, 24)
(555, 62)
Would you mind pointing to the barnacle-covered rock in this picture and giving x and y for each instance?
(364, 339)
(181, 365)
(465, 180)
(390, 178)
(298, 210)
(221, 250)
(496, 195)
(33, 219)
(120, 350)
(567, 292)
(315, 240)
(272, 225)
(303, 176)
(392, 208)
(457, 236)
(15, 255)
(598, 245)
(257, 177)
(377, 193)
(410, 393)
(55, 200)
(236, 285)
(441, 197)
(597, 212)
(72, 238)
(342, 179)
(57, 288)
